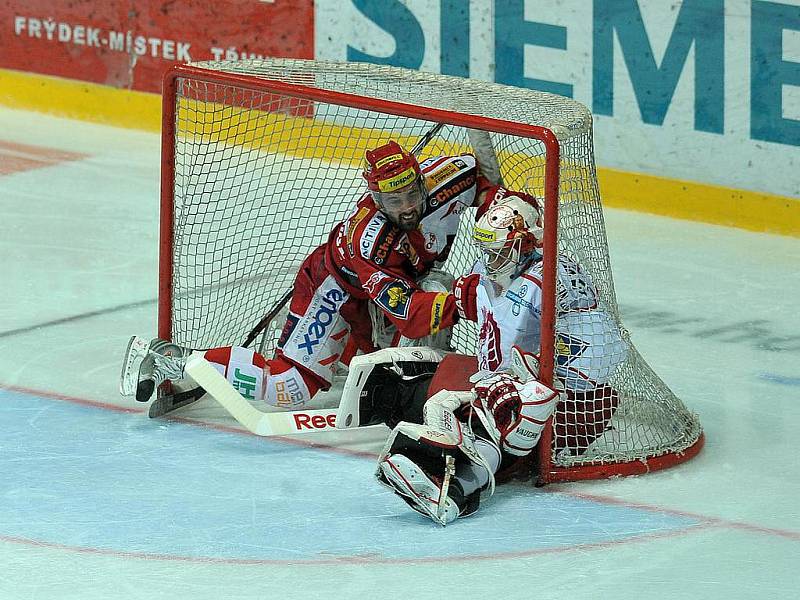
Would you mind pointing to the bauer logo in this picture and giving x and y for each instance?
(321, 317)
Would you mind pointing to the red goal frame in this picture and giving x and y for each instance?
(547, 471)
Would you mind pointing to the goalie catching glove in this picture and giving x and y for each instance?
(514, 407)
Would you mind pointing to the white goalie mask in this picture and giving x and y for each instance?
(509, 236)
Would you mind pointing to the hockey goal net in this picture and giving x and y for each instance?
(262, 158)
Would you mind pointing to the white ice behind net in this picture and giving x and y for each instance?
(261, 179)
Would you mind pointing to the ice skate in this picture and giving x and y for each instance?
(422, 491)
(148, 364)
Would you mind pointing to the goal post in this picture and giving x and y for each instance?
(261, 158)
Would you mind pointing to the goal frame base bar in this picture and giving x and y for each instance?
(639, 466)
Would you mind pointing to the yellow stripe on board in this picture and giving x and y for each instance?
(96, 103)
(694, 201)
(80, 100)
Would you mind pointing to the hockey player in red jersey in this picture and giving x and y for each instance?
(371, 285)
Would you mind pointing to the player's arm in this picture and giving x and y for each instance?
(415, 312)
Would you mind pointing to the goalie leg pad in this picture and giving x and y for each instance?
(418, 463)
(422, 492)
(387, 386)
(427, 465)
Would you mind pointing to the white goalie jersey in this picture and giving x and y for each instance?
(589, 346)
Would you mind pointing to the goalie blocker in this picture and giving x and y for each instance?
(445, 448)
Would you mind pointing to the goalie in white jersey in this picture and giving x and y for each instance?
(504, 296)
(449, 439)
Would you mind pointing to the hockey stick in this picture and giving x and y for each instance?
(485, 153)
(255, 421)
(426, 139)
(449, 472)
(168, 403)
(287, 295)
(264, 323)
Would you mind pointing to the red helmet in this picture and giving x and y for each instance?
(388, 168)
(395, 180)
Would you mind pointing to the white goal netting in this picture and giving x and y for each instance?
(258, 177)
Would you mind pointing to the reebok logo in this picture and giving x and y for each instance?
(303, 421)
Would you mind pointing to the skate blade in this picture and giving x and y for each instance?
(421, 493)
(134, 355)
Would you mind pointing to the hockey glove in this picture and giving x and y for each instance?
(465, 290)
(513, 411)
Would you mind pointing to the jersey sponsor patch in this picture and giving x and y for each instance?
(519, 302)
(383, 244)
(439, 176)
(458, 185)
(395, 298)
(437, 310)
(351, 225)
(568, 348)
(289, 393)
(244, 384)
(315, 325)
(370, 235)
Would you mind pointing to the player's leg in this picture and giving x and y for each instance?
(596, 350)
(146, 365)
(440, 467)
(313, 341)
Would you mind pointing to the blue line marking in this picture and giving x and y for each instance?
(90, 478)
(780, 379)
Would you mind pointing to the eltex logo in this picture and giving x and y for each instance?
(325, 315)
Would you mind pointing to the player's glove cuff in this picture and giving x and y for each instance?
(465, 290)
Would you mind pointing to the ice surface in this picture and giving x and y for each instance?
(97, 501)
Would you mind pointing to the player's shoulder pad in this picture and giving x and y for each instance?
(363, 210)
(374, 237)
(449, 176)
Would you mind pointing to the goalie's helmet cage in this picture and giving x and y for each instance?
(508, 234)
(261, 158)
